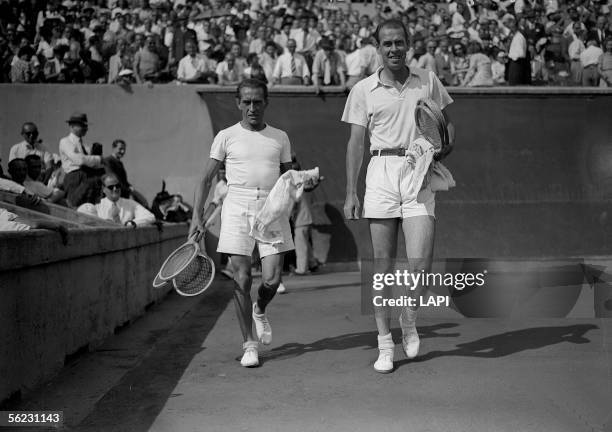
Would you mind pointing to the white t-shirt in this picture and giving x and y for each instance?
(252, 158)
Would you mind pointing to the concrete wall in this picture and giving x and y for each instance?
(532, 164)
(56, 300)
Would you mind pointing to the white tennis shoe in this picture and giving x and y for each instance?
(262, 327)
(386, 348)
(281, 289)
(250, 358)
(410, 337)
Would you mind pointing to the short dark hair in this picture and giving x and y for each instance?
(32, 157)
(390, 23)
(117, 142)
(13, 164)
(252, 83)
(28, 123)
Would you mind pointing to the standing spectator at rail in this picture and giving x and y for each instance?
(31, 145)
(575, 49)
(76, 157)
(147, 64)
(291, 67)
(115, 64)
(355, 68)
(443, 63)
(605, 65)
(589, 59)
(518, 68)
(21, 67)
(267, 60)
(327, 67)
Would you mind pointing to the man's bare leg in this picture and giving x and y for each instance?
(384, 247)
(419, 232)
(271, 269)
(242, 302)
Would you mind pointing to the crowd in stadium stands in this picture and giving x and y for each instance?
(305, 42)
(79, 176)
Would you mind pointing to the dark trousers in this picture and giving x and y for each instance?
(519, 72)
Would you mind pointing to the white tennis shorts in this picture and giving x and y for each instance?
(386, 178)
(237, 215)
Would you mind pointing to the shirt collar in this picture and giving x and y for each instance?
(378, 82)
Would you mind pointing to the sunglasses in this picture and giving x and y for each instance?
(113, 187)
(31, 133)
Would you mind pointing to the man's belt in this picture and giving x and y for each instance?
(390, 152)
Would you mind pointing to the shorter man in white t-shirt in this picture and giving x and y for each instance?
(255, 154)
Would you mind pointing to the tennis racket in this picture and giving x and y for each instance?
(431, 124)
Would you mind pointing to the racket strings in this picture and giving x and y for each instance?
(429, 127)
(196, 277)
(179, 259)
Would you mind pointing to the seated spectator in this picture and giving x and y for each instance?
(18, 170)
(116, 209)
(33, 184)
(428, 61)
(267, 60)
(228, 72)
(479, 73)
(54, 68)
(605, 65)
(459, 64)
(443, 63)
(291, 67)
(327, 67)
(31, 145)
(11, 222)
(193, 67)
(21, 69)
(498, 68)
(254, 69)
(115, 64)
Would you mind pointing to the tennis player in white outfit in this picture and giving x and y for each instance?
(255, 155)
(383, 106)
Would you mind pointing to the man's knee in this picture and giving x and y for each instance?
(272, 281)
(243, 281)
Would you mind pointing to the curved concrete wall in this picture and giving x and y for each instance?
(532, 164)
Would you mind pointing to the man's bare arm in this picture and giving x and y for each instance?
(202, 191)
(354, 159)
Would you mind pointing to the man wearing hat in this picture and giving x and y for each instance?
(77, 160)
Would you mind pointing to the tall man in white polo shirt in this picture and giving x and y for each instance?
(255, 154)
(382, 106)
(77, 159)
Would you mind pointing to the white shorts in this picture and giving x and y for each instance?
(387, 177)
(237, 215)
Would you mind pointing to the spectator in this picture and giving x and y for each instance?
(574, 51)
(306, 40)
(254, 69)
(31, 145)
(258, 44)
(355, 68)
(327, 67)
(77, 157)
(518, 68)
(267, 60)
(21, 69)
(120, 210)
(600, 33)
(11, 222)
(113, 165)
(147, 64)
(459, 64)
(589, 59)
(605, 65)
(498, 69)
(18, 170)
(54, 68)
(227, 71)
(33, 184)
(427, 61)
(443, 63)
(193, 68)
(291, 68)
(115, 64)
(479, 73)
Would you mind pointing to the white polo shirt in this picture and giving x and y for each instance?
(252, 158)
(387, 113)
